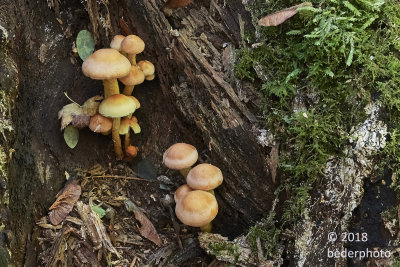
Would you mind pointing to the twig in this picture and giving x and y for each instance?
(133, 261)
(70, 99)
(120, 177)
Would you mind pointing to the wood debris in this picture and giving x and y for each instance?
(95, 229)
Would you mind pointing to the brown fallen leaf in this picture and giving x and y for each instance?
(67, 112)
(91, 105)
(80, 121)
(281, 16)
(273, 161)
(64, 203)
(147, 229)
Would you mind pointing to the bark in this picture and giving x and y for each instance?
(195, 99)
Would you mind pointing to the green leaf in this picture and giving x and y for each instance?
(71, 136)
(100, 211)
(84, 44)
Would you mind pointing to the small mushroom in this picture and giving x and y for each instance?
(116, 107)
(127, 124)
(147, 68)
(204, 177)
(131, 152)
(116, 42)
(135, 77)
(100, 124)
(181, 192)
(132, 45)
(127, 135)
(107, 65)
(180, 156)
(198, 208)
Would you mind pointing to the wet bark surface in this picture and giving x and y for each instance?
(193, 100)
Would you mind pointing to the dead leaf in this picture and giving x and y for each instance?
(281, 16)
(91, 105)
(67, 112)
(64, 203)
(273, 161)
(147, 229)
(80, 121)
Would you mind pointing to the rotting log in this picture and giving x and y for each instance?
(195, 99)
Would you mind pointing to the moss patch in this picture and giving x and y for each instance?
(317, 72)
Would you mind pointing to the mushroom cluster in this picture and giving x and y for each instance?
(114, 113)
(196, 204)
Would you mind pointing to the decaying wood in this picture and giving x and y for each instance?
(330, 211)
(95, 229)
(200, 91)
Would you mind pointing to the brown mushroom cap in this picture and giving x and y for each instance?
(116, 42)
(100, 124)
(204, 177)
(147, 67)
(117, 106)
(134, 77)
(180, 156)
(181, 192)
(197, 208)
(132, 44)
(106, 63)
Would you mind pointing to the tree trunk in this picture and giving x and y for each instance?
(194, 99)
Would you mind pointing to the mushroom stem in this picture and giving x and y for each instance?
(110, 87)
(206, 228)
(116, 139)
(185, 171)
(127, 141)
(132, 59)
(128, 90)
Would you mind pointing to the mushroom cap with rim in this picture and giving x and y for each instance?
(204, 177)
(181, 192)
(116, 42)
(132, 44)
(180, 156)
(136, 101)
(117, 106)
(150, 77)
(105, 64)
(134, 77)
(100, 124)
(147, 67)
(197, 208)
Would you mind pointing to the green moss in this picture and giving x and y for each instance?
(267, 233)
(396, 263)
(225, 249)
(317, 71)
